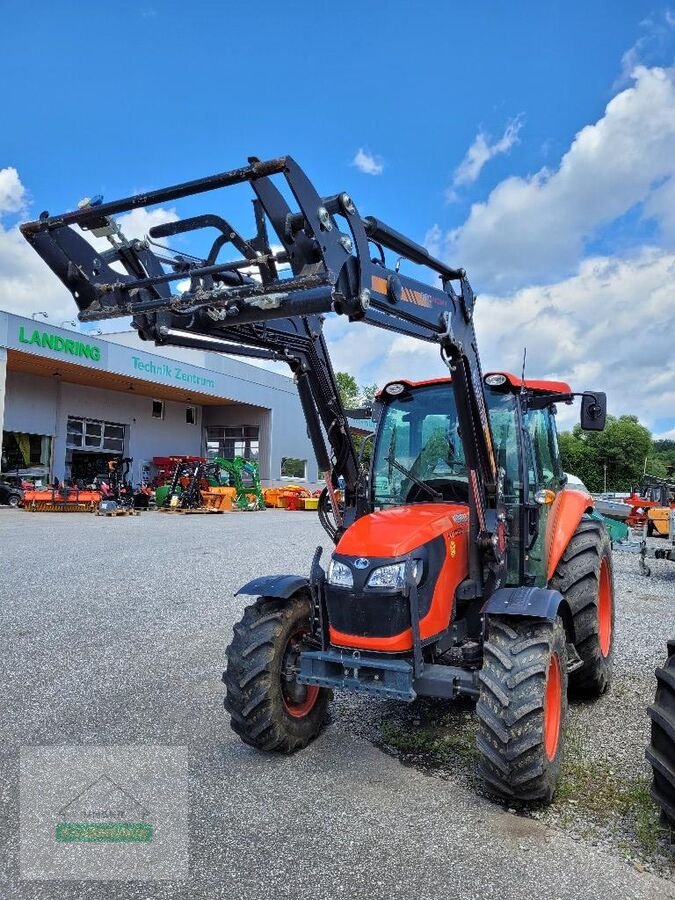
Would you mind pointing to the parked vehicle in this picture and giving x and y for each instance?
(10, 494)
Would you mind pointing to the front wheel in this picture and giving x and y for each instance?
(522, 707)
(268, 708)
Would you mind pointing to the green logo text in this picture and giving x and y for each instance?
(60, 344)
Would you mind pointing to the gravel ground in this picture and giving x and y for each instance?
(602, 800)
(113, 633)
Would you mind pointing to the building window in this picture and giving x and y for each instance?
(239, 440)
(26, 455)
(92, 435)
(191, 415)
(157, 409)
(294, 468)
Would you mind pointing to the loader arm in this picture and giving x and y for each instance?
(271, 302)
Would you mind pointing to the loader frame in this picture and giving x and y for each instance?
(328, 246)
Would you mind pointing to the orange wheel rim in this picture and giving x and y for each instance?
(604, 610)
(298, 703)
(552, 707)
(298, 710)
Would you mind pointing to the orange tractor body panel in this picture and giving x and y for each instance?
(566, 512)
(396, 532)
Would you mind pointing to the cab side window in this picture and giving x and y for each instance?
(541, 425)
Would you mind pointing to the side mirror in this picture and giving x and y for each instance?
(593, 410)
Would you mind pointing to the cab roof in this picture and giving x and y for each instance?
(535, 385)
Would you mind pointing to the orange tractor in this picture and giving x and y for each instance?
(463, 564)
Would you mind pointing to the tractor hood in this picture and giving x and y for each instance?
(395, 532)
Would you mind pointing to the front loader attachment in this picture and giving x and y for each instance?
(319, 260)
(264, 295)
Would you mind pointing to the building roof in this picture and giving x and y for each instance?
(39, 348)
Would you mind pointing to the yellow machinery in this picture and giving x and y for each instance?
(658, 521)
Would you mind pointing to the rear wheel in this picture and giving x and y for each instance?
(268, 708)
(522, 707)
(661, 749)
(584, 577)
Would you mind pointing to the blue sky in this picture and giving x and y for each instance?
(466, 116)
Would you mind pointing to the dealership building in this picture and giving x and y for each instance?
(70, 401)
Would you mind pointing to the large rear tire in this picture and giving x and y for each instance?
(661, 749)
(268, 708)
(522, 707)
(584, 576)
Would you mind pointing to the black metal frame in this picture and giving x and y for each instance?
(326, 243)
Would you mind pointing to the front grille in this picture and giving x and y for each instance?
(370, 614)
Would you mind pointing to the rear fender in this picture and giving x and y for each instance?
(283, 586)
(539, 603)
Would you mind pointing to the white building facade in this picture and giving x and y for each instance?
(69, 401)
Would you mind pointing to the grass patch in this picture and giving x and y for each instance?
(438, 743)
(595, 788)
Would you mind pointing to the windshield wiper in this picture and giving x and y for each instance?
(393, 463)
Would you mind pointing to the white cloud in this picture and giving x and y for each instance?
(608, 327)
(12, 192)
(368, 163)
(534, 229)
(481, 152)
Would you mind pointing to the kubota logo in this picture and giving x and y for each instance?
(361, 563)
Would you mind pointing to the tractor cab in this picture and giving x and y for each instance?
(418, 455)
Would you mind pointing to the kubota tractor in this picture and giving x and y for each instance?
(463, 564)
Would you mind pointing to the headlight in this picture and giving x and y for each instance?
(339, 574)
(393, 577)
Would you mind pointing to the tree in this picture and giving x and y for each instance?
(352, 397)
(349, 389)
(621, 448)
(661, 460)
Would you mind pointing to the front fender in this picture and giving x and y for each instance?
(283, 586)
(567, 511)
(540, 603)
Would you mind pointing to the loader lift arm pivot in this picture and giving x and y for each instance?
(253, 306)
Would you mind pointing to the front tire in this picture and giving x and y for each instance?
(584, 577)
(268, 708)
(522, 707)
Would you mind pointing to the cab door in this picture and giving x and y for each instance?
(545, 474)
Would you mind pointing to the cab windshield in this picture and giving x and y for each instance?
(419, 454)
